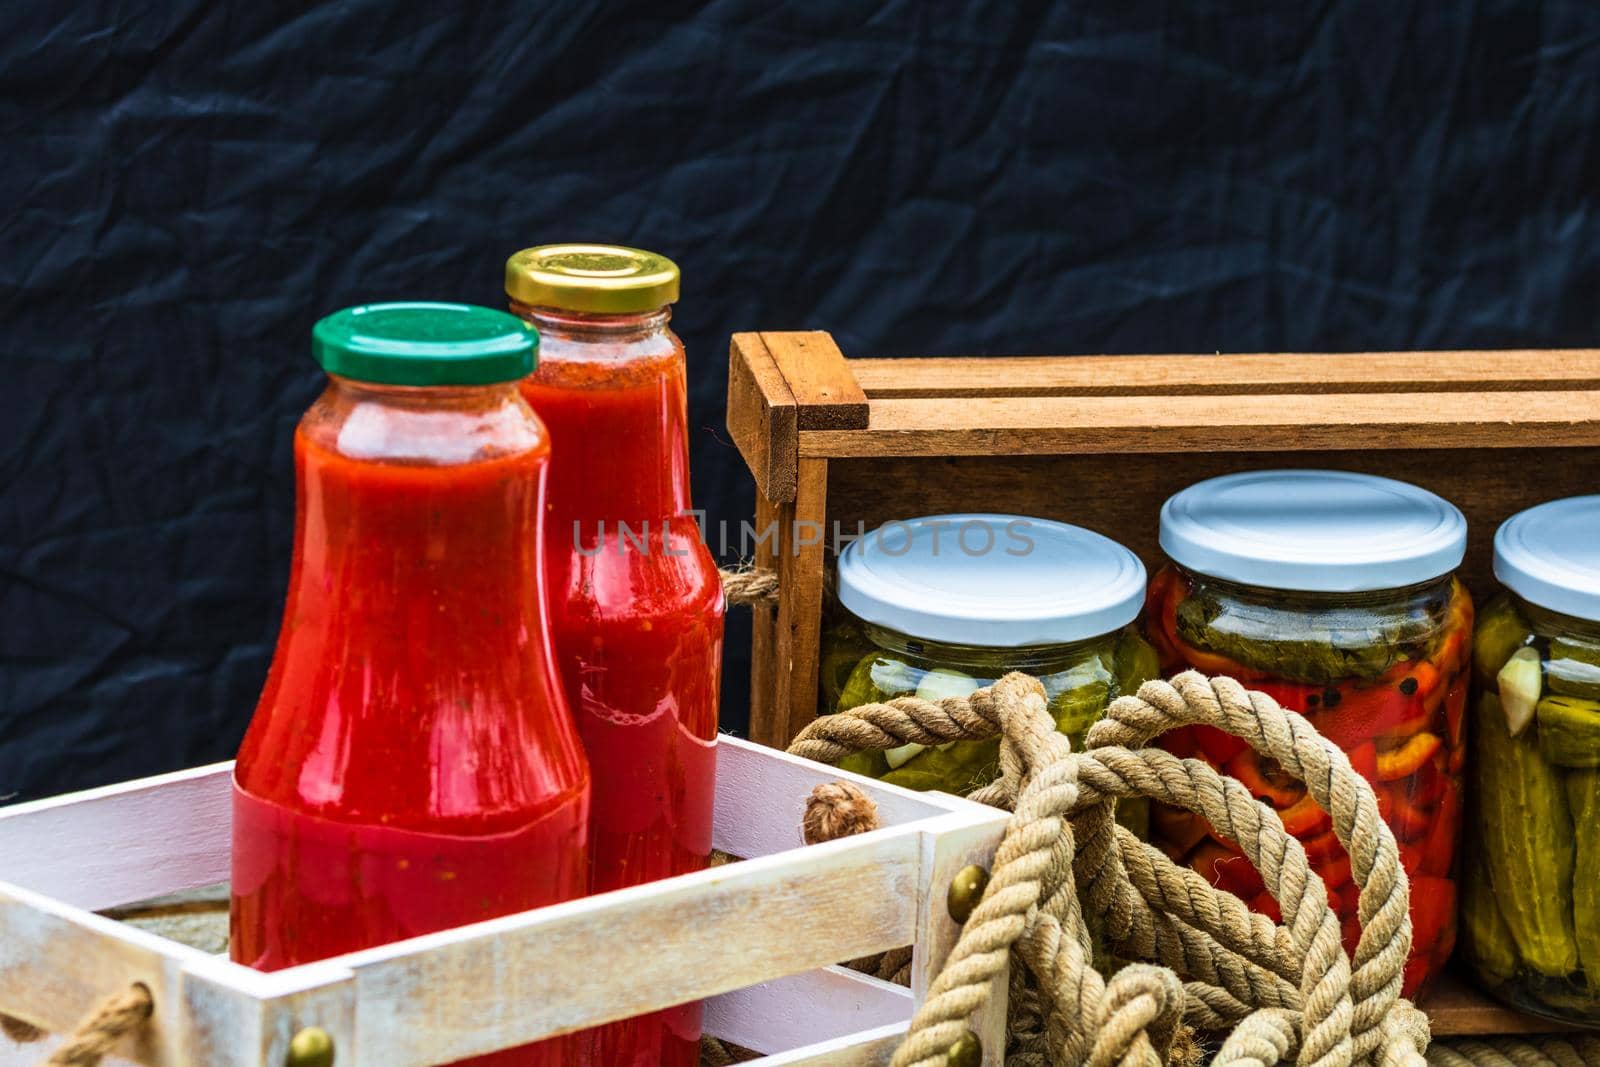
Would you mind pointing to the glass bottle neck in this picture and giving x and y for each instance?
(612, 390)
(616, 333)
(446, 397)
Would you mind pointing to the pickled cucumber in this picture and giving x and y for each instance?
(1319, 646)
(1574, 667)
(877, 678)
(1527, 842)
(1569, 732)
(1583, 794)
(1136, 663)
(954, 768)
(1501, 630)
(1483, 929)
(843, 645)
(1079, 682)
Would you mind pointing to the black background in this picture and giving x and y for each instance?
(187, 188)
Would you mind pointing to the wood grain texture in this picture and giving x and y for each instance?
(1456, 1009)
(791, 1013)
(797, 629)
(762, 416)
(433, 999)
(58, 962)
(104, 847)
(872, 1048)
(1360, 372)
(1121, 496)
(937, 932)
(820, 380)
(1044, 425)
(767, 725)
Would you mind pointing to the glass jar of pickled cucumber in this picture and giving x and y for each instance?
(944, 605)
(1530, 909)
(1334, 593)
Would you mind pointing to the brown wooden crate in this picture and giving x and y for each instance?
(1101, 441)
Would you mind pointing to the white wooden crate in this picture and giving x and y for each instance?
(756, 939)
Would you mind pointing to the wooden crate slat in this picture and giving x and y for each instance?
(762, 416)
(564, 967)
(825, 391)
(1121, 496)
(872, 1048)
(761, 794)
(56, 960)
(1456, 1009)
(1122, 425)
(1089, 375)
(782, 383)
(799, 1010)
(104, 847)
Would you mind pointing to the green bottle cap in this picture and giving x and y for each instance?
(424, 343)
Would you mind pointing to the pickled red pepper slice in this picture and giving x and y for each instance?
(1264, 778)
(1407, 760)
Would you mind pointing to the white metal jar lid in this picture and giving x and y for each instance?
(998, 581)
(1313, 531)
(1550, 556)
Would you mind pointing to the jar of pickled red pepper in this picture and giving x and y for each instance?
(944, 605)
(411, 765)
(1530, 910)
(1334, 593)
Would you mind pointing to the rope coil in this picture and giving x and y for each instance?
(1286, 992)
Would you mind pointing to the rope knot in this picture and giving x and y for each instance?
(1139, 1017)
(835, 810)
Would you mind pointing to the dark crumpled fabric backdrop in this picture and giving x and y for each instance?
(187, 190)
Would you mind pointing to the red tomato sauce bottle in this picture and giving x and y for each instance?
(412, 765)
(636, 602)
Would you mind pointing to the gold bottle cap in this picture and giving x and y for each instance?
(600, 279)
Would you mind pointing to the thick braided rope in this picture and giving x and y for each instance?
(1238, 962)
(901, 721)
(1288, 738)
(1241, 956)
(1008, 912)
(1575, 1050)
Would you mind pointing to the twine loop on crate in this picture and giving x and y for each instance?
(1285, 991)
(750, 586)
(91, 1040)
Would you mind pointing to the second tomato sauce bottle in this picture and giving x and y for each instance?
(636, 601)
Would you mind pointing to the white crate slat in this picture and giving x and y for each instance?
(807, 1018)
(762, 932)
(803, 1009)
(105, 847)
(871, 1048)
(943, 855)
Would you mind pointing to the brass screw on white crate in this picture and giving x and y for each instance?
(967, 1051)
(311, 1047)
(966, 889)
